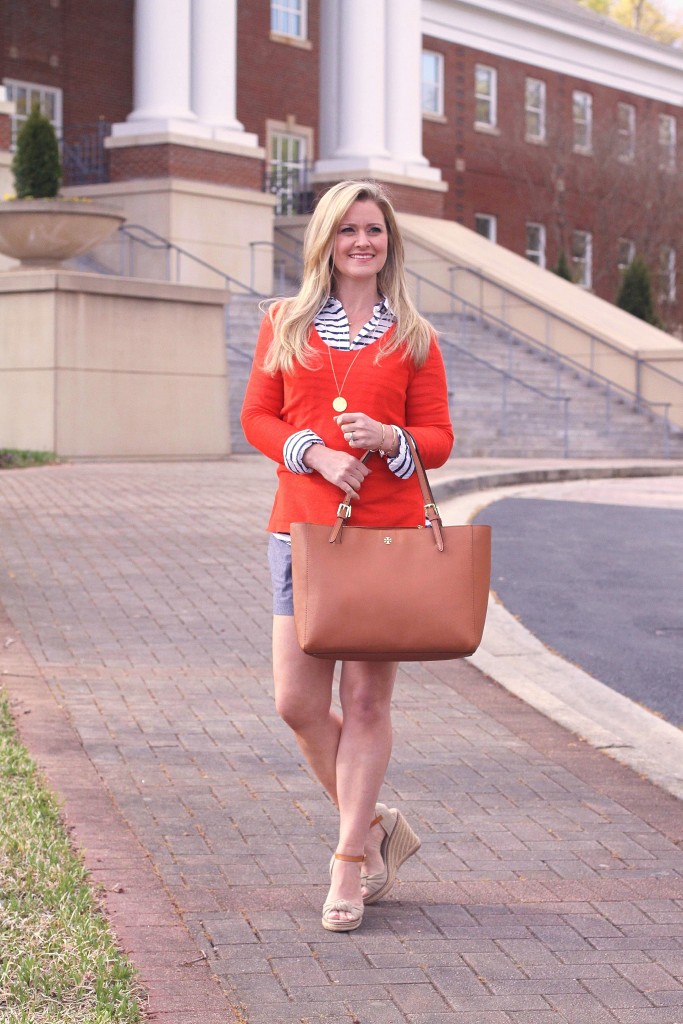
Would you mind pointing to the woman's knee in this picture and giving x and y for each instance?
(297, 709)
(292, 711)
(368, 706)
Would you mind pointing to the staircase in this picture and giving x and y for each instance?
(243, 317)
(506, 402)
(503, 396)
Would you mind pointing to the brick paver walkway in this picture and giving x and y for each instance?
(549, 886)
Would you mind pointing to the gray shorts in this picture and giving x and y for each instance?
(280, 561)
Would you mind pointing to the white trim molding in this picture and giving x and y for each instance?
(555, 37)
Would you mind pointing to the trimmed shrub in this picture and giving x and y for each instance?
(36, 166)
(635, 292)
(562, 269)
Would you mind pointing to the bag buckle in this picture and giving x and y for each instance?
(344, 510)
(435, 507)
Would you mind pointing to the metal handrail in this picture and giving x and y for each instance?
(153, 240)
(548, 314)
(286, 234)
(561, 358)
(276, 248)
(510, 377)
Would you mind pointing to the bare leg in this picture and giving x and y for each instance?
(362, 759)
(349, 756)
(303, 698)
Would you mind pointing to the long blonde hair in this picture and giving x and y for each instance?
(293, 317)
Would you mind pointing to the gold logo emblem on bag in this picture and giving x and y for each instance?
(388, 540)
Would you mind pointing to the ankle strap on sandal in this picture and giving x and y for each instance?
(377, 820)
(351, 859)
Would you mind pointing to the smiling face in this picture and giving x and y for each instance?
(362, 242)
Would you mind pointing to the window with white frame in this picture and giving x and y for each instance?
(27, 95)
(485, 97)
(667, 273)
(582, 115)
(582, 258)
(626, 253)
(432, 83)
(667, 142)
(287, 168)
(626, 131)
(535, 243)
(486, 224)
(288, 18)
(534, 110)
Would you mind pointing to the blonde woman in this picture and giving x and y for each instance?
(339, 368)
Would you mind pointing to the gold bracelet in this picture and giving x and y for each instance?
(380, 446)
(382, 450)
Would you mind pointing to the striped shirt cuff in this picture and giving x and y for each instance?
(296, 447)
(402, 464)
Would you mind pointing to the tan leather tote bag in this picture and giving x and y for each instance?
(394, 593)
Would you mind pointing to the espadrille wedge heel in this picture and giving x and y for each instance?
(399, 843)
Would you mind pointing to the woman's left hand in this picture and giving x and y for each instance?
(360, 431)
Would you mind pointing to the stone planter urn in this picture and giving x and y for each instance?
(45, 232)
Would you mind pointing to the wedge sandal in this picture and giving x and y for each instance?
(399, 843)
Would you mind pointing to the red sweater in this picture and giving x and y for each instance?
(391, 391)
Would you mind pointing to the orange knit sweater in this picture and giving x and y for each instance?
(391, 391)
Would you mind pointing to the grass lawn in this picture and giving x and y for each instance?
(59, 963)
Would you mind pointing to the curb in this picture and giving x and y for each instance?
(514, 658)
(452, 487)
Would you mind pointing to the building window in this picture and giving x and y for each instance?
(582, 113)
(25, 95)
(667, 142)
(626, 251)
(486, 224)
(485, 97)
(287, 170)
(288, 18)
(582, 258)
(626, 131)
(667, 273)
(534, 110)
(432, 83)
(535, 243)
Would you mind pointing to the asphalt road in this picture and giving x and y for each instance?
(600, 584)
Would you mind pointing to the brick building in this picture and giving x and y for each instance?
(535, 122)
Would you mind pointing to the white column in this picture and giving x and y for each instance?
(404, 83)
(360, 93)
(370, 90)
(162, 68)
(328, 132)
(214, 69)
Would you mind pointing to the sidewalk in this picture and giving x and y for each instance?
(549, 886)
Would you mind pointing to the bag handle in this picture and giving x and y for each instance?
(431, 509)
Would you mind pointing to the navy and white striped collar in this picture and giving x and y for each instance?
(333, 305)
(332, 324)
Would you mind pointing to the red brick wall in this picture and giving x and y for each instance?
(518, 181)
(173, 161)
(422, 201)
(98, 61)
(81, 47)
(275, 80)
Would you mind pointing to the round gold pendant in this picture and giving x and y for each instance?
(339, 404)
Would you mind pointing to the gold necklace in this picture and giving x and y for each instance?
(339, 404)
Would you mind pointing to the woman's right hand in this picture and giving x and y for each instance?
(339, 468)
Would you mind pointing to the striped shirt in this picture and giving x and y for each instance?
(332, 324)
